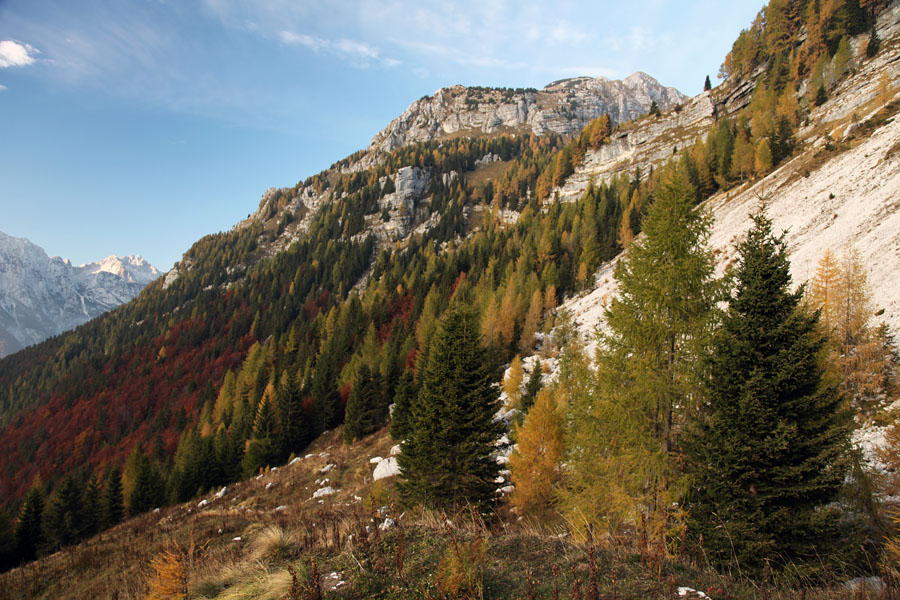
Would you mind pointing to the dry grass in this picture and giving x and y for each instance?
(428, 554)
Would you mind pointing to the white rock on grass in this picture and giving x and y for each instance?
(325, 491)
(387, 524)
(375, 460)
(395, 450)
(686, 592)
(221, 493)
(386, 468)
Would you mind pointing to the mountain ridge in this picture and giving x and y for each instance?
(42, 296)
(564, 107)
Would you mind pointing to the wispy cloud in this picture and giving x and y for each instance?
(3, 88)
(14, 54)
(458, 56)
(359, 53)
(591, 71)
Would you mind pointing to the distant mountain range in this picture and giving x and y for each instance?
(42, 296)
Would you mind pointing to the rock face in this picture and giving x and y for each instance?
(42, 296)
(563, 107)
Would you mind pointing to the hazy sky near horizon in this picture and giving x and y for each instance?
(137, 127)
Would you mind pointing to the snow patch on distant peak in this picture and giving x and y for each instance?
(133, 269)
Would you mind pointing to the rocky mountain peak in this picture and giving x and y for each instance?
(564, 107)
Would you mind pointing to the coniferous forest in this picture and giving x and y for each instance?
(712, 425)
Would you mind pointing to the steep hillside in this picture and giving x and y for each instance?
(42, 296)
(252, 347)
(331, 507)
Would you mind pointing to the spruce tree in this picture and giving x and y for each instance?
(92, 512)
(294, 426)
(113, 502)
(63, 517)
(447, 459)
(769, 450)
(7, 541)
(327, 408)
(149, 489)
(403, 399)
(707, 85)
(29, 530)
(821, 95)
(366, 410)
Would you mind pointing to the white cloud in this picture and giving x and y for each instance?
(360, 53)
(3, 88)
(14, 54)
(301, 39)
(458, 56)
(594, 71)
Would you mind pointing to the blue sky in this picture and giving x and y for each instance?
(136, 127)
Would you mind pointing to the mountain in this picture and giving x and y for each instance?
(42, 296)
(563, 107)
(248, 350)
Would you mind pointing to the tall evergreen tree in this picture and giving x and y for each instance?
(707, 85)
(63, 516)
(92, 511)
(447, 459)
(327, 408)
(149, 489)
(403, 400)
(366, 410)
(30, 530)
(294, 427)
(113, 502)
(769, 451)
(7, 541)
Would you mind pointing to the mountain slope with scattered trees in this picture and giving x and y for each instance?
(335, 300)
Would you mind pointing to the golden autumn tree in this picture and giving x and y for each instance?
(535, 463)
(763, 157)
(823, 289)
(532, 321)
(512, 382)
(860, 353)
(168, 579)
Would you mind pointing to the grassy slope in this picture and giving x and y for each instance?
(423, 557)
